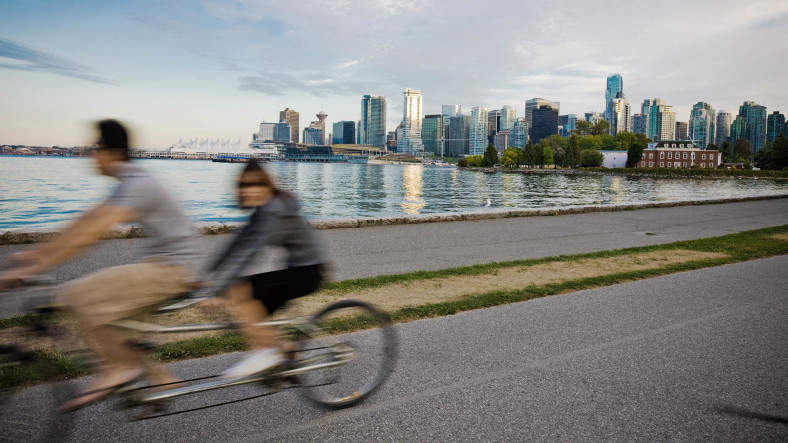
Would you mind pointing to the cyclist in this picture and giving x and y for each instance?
(115, 293)
(275, 221)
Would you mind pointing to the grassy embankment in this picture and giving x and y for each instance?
(720, 250)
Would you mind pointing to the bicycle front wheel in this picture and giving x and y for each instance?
(353, 364)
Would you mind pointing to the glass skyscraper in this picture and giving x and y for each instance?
(545, 123)
(723, 128)
(432, 133)
(661, 121)
(508, 116)
(755, 131)
(411, 122)
(478, 131)
(372, 126)
(344, 133)
(520, 133)
(702, 124)
(775, 126)
(459, 133)
(615, 85)
(619, 114)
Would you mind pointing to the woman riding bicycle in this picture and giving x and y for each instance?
(275, 221)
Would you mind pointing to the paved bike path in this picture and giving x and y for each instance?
(699, 355)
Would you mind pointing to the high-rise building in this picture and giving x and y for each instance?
(520, 133)
(662, 119)
(432, 134)
(568, 123)
(372, 126)
(313, 136)
(545, 123)
(449, 111)
(493, 122)
(723, 128)
(702, 124)
(738, 129)
(411, 123)
(508, 116)
(344, 133)
(592, 117)
(618, 112)
(775, 126)
(501, 141)
(266, 131)
(755, 115)
(535, 103)
(457, 141)
(478, 131)
(640, 124)
(681, 133)
(321, 124)
(291, 117)
(282, 131)
(615, 84)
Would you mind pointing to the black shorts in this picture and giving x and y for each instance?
(275, 288)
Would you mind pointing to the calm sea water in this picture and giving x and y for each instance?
(41, 192)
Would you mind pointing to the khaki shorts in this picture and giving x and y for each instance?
(126, 291)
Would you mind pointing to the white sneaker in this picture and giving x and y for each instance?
(256, 362)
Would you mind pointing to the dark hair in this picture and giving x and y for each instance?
(252, 167)
(113, 136)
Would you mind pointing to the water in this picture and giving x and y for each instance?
(41, 192)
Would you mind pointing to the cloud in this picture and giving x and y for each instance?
(18, 57)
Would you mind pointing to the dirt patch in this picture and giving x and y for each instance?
(783, 237)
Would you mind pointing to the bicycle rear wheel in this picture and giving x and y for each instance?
(367, 355)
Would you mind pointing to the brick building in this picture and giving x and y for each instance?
(678, 154)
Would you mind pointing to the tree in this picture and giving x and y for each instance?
(463, 162)
(572, 157)
(512, 157)
(547, 156)
(591, 158)
(608, 142)
(635, 153)
(582, 127)
(490, 156)
(474, 161)
(624, 140)
(742, 151)
(601, 127)
(529, 154)
(773, 156)
(558, 147)
(726, 150)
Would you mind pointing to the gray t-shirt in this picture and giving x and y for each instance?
(170, 232)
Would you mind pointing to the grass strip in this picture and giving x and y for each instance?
(738, 247)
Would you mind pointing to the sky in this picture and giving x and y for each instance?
(215, 69)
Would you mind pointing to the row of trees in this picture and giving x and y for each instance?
(773, 156)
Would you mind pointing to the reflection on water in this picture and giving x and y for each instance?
(40, 192)
(411, 181)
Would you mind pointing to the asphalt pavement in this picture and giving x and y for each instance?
(694, 356)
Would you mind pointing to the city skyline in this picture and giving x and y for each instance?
(217, 69)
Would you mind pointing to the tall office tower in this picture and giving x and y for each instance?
(567, 123)
(702, 124)
(501, 141)
(411, 123)
(266, 131)
(723, 128)
(459, 133)
(738, 129)
(448, 112)
(372, 126)
(535, 103)
(291, 117)
(661, 121)
(344, 133)
(477, 142)
(313, 136)
(619, 113)
(681, 133)
(282, 131)
(520, 133)
(391, 141)
(493, 122)
(592, 117)
(755, 115)
(432, 134)
(508, 116)
(775, 126)
(615, 84)
(640, 124)
(358, 132)
(545, 123)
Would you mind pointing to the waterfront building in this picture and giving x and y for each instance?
(640, 124)
(459, 133)
(391, 141)
(372, 126)
(501, 141)
(755, 116)
(678, 154)
(738, 129)
(321, 124)
(449, 111)
(536, 103)
(723, 128)
(282, 132)
(266, 132)
(412, 114)
(478, 131)
(432, 134)
(545, 123)
(520, 133)
(344, 133)
(358, 132)
(493, 122)
(681, 133)
(615, 85)
(508, 116)
(312, 136)
(592, 117)
(291, 117)
(775, 126)
(662, 119)
(702, 124)
(618, 113)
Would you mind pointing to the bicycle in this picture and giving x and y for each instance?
(332, 368)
